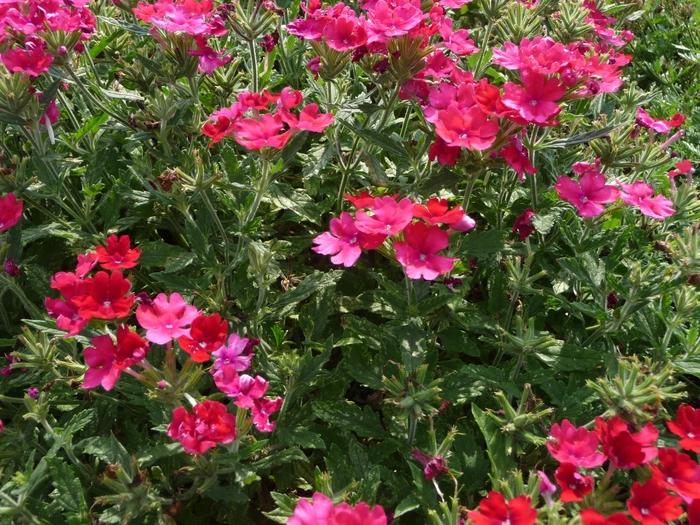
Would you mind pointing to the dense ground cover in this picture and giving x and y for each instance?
(389, 262)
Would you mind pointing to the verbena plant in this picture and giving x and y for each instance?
(348, 264)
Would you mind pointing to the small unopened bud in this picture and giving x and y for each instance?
(33, 392)
(10, 267)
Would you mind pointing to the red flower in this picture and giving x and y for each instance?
(445, 155)
(516, 155)
(10, 211)
(523, 224)
(209, 424)
(687, 427)
(677, 472)
(105, 296)
(575, 445)
(362, 200)
(207, 334)
(495, 510)
(118, 254)
(625, 449)
(574, 486)
(438, 211)
(694, 512)
(591, 517)
(650, 504)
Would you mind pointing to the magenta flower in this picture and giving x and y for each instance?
(640, 195)
(575, 445)
(166, 318)
(67, 316)
(536, 100)
(418, 252)
(237, 352)
(209, 59)
(10, 211)
(588, 195)
(659, 125)
(262, 410)
(345, 242)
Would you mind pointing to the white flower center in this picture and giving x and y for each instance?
(644, 512)
(422, 257)
(107, 304)
(691, 435)
(169, 326)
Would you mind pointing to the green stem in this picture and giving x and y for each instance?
(265, 178)
(253, 65)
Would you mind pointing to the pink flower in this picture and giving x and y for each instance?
(320, 510)
(468, 128)
(266, 131)
(86, 262)
(190, 17)
(418, 252)
(659, 125)
(575, 445)
(10, 211)
(262, 409)
(639, 194)
(32, 59)
(311, 120)
(209, 59)
(237, 352)
(588, 194)
(536, 100)
(67, 316)
(345, 33)
(386, 21)
(388, 217)
(345, 242)
(166, 318)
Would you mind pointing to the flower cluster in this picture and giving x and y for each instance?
(209, 424)
(193, 22)
(10, 211)
(418, 233)
(320, 510)
(590, 193)
(667, 479)
(266, 120)
(106, 295)
(247, 391)
(35, 33)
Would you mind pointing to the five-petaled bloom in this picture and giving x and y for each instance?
(320, 510)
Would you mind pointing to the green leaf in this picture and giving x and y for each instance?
(483, 244)
(286, 303)
(496, 444)
(68, 491)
